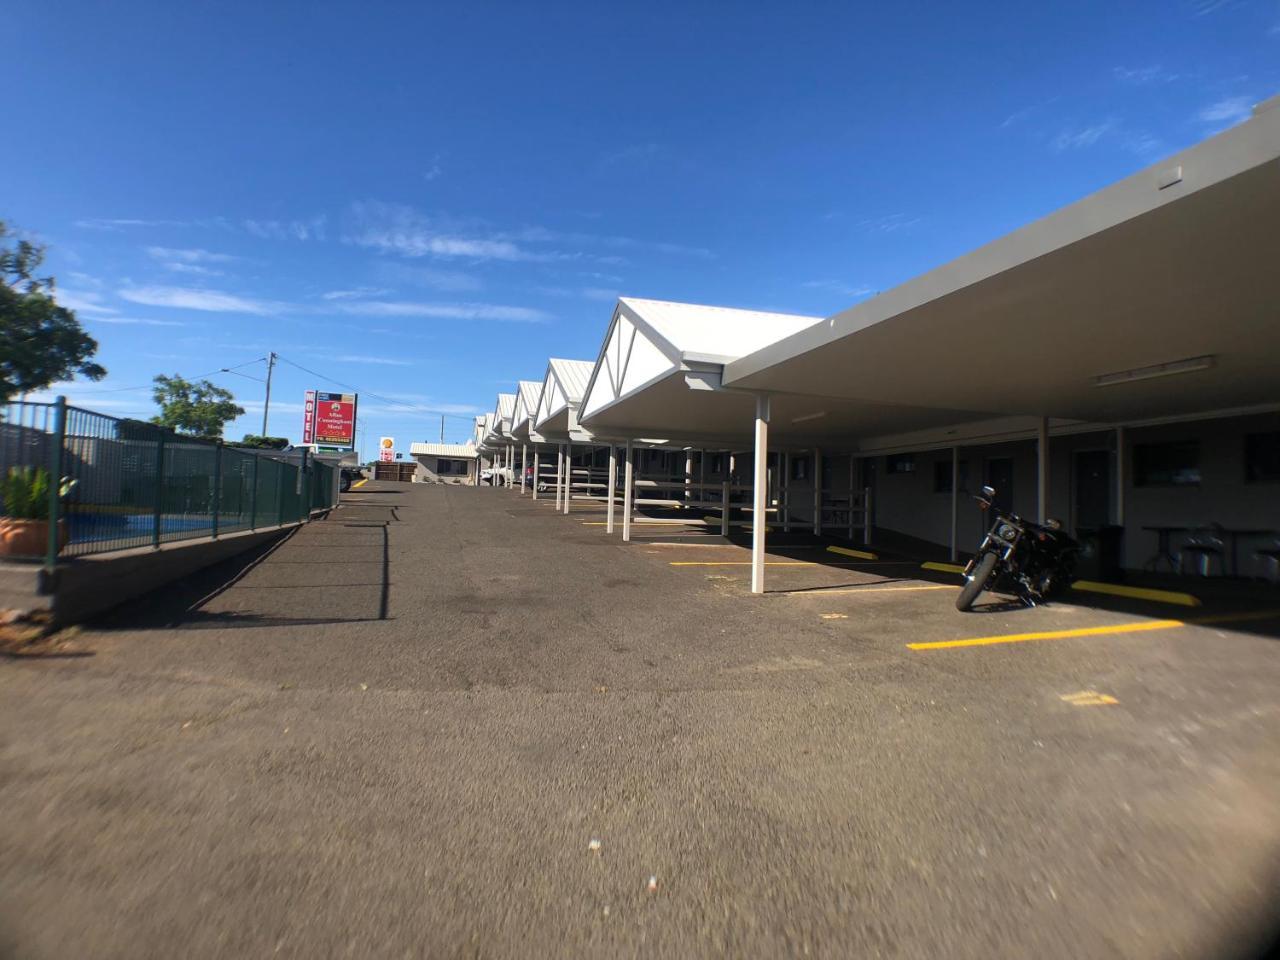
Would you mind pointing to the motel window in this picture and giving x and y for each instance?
(799, 468)
(444, 467)
(900, 463)
(717, 463)
(1166, 464)
(1262, 457)
(942, 475)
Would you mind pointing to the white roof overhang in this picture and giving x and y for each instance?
(1156, 296)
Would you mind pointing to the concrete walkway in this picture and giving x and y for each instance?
(399, 733)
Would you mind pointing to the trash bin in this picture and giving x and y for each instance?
(1100, 550)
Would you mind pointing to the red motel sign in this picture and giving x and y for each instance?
(329, 419)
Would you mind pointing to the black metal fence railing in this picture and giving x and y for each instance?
(129, 483)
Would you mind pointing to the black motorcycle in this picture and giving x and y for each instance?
(1032, 560)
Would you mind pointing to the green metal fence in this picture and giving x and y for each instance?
(135, 484)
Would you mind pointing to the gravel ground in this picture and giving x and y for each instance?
(400, 732)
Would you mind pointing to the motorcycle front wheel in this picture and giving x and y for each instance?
(977, 583)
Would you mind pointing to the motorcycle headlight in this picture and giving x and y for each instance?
(1006, 532)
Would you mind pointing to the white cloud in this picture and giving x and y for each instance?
(600, 293)
(1076, 138)
(140, 321)
(839, 287)
(392, 228)
(635, 154)
(890, 223)
(1227, 112)
(312, 228)
(450, 281)
(361, 358)
(82, 301)
(1143, 76)
(192, 269)
(355, 293)
(99, 223)
(213, 301)
(85, 280)
(189, 255)
(445, 311)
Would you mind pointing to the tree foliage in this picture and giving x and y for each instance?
(200, 409)
(258, 442)
(40, 341)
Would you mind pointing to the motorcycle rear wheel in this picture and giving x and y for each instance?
(981, 574)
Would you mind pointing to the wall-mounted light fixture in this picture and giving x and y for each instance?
(1172, 368)
(810, 416)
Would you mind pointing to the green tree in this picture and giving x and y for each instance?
(200, 409)
(40, 342)
(258, 442)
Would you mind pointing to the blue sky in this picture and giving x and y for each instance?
(426, 200)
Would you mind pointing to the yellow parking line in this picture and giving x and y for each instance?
(1141, 627)
(826, 593)
(845, 551)
(943, 567)
(1088, 698)
(1137, 593)
(359, 483)
(767, 563)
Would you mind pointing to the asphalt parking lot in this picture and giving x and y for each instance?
(449, 721)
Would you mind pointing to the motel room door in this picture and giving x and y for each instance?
(1000, 475)
(1091, 500)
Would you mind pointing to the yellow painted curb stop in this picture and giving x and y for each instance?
(1137, 593)
(860, 554)
(942, 567)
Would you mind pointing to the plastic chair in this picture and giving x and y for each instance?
(1267, 560)
(1203, 548)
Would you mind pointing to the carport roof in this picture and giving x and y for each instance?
(650, 376)
(1085, 314)
(562, 390)
(506, 406)
(527, 394)
(460, 450)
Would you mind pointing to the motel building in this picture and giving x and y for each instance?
(1114, 365)
(445, 463)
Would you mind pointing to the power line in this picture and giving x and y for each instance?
(370, 393)
(150, 386)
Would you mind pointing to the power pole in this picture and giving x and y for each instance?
(442, 428)
(266, 406)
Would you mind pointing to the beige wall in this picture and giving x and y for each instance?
(907, 503)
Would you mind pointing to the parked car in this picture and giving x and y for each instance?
(347, 477)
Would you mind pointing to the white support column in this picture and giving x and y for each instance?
(852, 461)
(1042, 471)
(559, 473)
(568, 476)
(1120, 476)
(688, 475)
(524, 465)
(867, 514)
(628, 492)
(702, 474)
(511, 453)
(784, 491)
(613, 482)
(537, 470)
(760, 494)
(724, 508)
(955, 503)
(817, 491)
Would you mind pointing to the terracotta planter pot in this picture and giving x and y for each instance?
(28, 538)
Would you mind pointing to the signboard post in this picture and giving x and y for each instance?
(335, 419)
(387, 450)
(309, 417)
